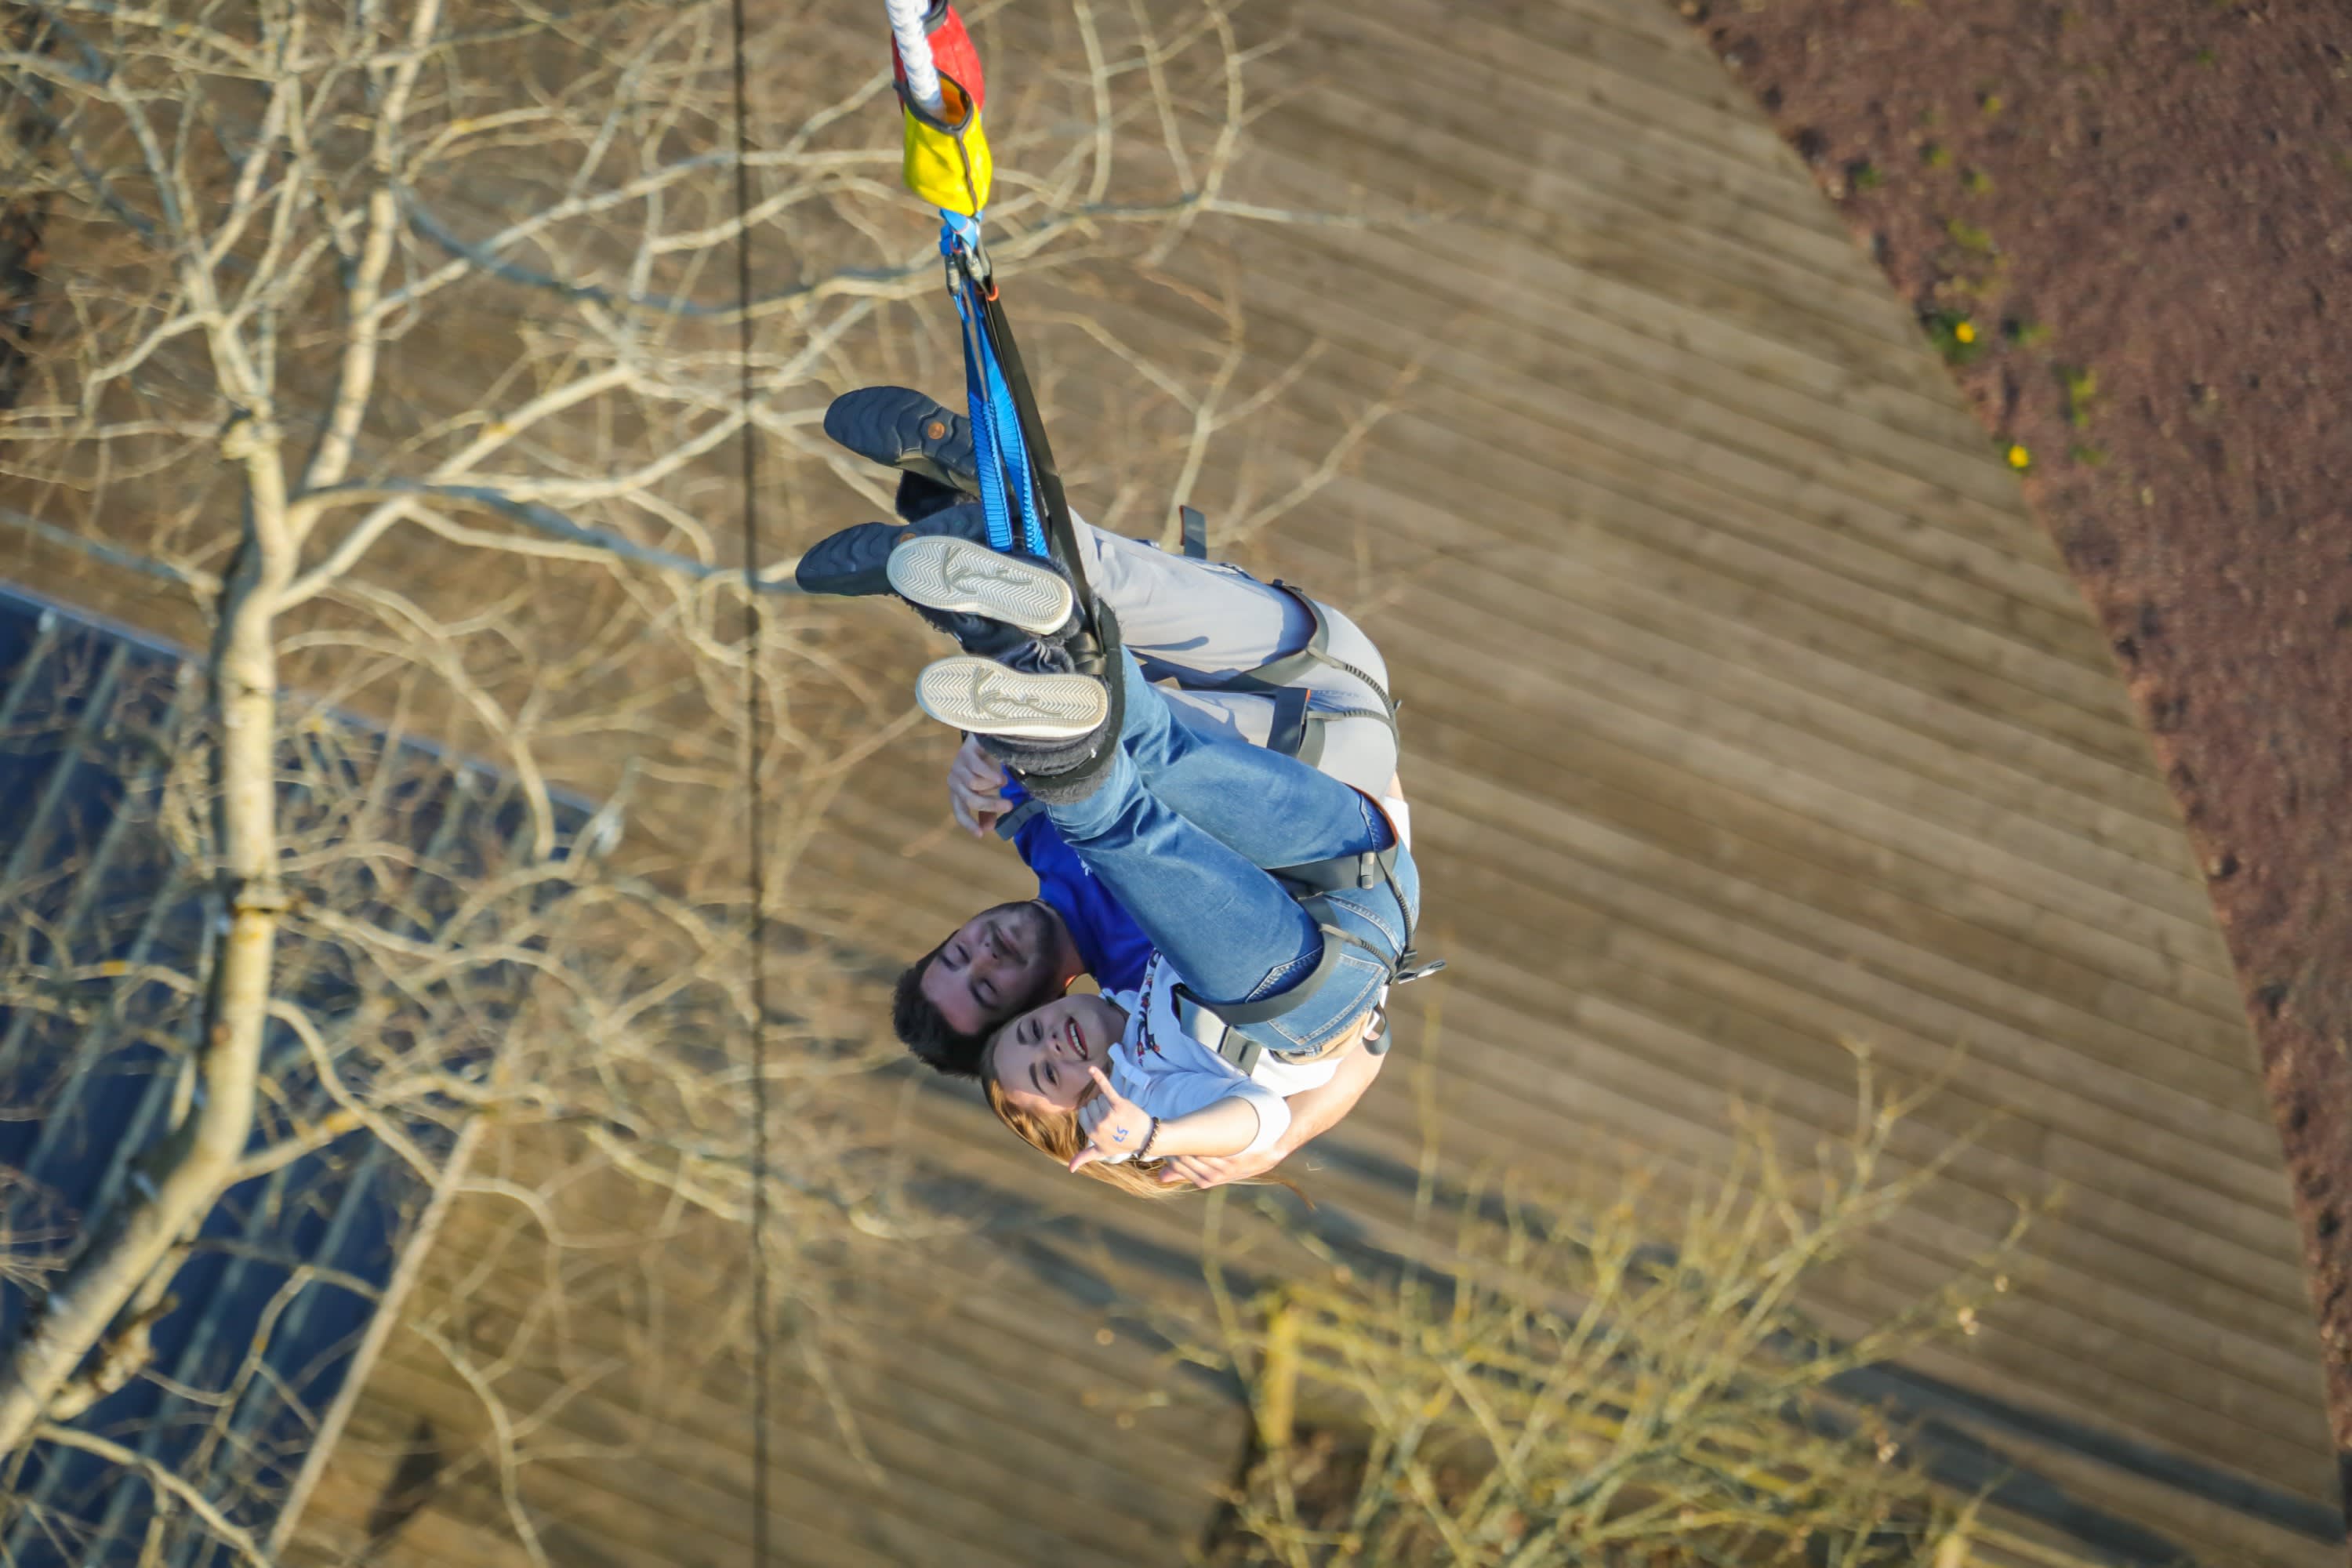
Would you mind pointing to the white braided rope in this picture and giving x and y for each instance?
(915, 53)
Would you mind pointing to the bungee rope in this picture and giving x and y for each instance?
(755, 806)
(941, 93)
(941, 89)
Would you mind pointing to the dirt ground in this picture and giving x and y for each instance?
(2129, 224)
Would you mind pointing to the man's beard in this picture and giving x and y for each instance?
(1029, 934)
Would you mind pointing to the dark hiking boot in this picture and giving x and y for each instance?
(852, 564)
(920, 499)
(859, 562)
(900, 428)
(856, 564)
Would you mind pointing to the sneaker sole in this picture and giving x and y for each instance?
(964, 578)
(984, 698)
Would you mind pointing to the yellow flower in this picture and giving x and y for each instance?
(2019, 456)
(1966, 331)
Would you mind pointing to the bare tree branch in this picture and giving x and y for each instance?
(396, 337)
(163, 1480)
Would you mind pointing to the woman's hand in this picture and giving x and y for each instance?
(1205, 1171)
(1122, 1130)
(975, 788)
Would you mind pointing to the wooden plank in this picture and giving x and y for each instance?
(2226, 1272)
(1883, 696)
(2035, 1350)
(2286, 1284)
(1491, 337)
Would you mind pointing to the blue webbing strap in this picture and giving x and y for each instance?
(983, 436)
(1010, 443)
(999, 450)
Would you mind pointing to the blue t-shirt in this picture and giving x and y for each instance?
(1114, 947)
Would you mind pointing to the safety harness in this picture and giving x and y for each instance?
(1218, 1025)
(1297, 731)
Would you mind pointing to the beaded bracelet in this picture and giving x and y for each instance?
(1143, 1150)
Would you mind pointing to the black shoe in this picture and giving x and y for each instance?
(920, 499)
(852, 564)
(856, 564)
(964, 519)
(900, 428)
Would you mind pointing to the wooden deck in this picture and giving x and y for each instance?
(1747, 713)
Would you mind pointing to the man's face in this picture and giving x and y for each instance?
(1040, 1058)
(992, 966)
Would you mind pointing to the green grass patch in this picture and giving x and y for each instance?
(1969, 237)
(2082, 386)
(1955, 335)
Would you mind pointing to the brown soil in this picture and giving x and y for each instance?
(2142, 210)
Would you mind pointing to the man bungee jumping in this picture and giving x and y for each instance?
(1251, 664)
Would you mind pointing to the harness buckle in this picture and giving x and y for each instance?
(1408, 971)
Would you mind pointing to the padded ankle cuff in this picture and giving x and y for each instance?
(1061, 774)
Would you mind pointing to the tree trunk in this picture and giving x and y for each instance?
(177, 1181)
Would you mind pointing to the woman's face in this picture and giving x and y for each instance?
(1042, 1057)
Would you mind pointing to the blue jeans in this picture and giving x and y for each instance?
(1180, 831)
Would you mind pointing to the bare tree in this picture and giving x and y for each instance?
(396, 339)
(1626, 1375)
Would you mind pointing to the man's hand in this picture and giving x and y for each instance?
(1206, 1171)
(975, 788)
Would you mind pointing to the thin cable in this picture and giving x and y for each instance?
(755, 837)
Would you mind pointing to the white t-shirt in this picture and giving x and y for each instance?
(1168, 1073)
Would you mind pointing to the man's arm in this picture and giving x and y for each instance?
(975, 788)
(1313, 1112)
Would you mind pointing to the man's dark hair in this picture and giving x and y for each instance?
(925, 1030)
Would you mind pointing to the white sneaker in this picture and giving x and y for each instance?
(943, 572)
(984, 698)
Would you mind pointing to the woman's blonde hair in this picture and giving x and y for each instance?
(1058, 1134)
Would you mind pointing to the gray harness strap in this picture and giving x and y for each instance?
(1285, 668)
(1290, 731)
(1196, 533)
(1011, 822)
(1217, 1026)
(1284, 673)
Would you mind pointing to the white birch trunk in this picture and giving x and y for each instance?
(179, 1181)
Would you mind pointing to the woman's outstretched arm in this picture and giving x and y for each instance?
(1227, 1126)
(1313, 1112)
